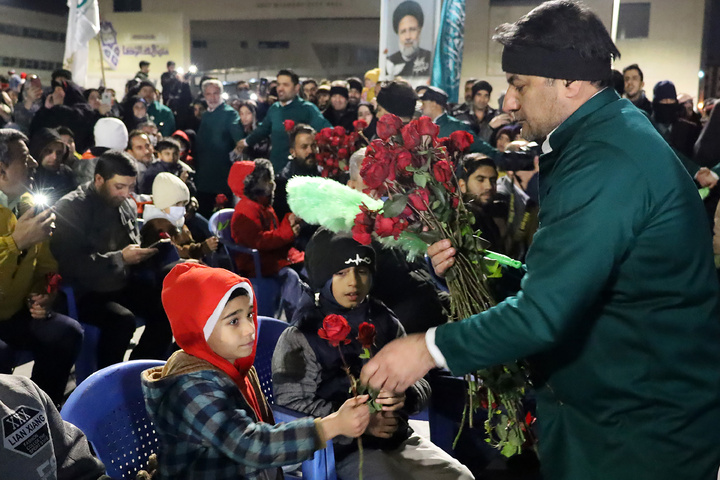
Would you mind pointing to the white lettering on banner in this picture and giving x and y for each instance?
(145, 50)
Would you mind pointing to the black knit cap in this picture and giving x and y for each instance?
(339, 90)
(481, 85)
(327, 253)
(354, 82)
(436, 95)
(406, 8)
(398, 99)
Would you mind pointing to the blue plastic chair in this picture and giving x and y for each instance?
(322, 466)
(267, 289)
(110, 409)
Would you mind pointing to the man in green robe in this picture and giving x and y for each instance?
(288, 107)
(618, 312)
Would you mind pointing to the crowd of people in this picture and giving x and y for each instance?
(111, 197)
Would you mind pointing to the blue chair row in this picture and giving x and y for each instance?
(267, 289)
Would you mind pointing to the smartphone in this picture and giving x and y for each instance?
(35, 82)
(107, 98)
(156, 244)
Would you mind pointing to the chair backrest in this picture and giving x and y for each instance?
(110, 409)
(220, 224)
(269, 330)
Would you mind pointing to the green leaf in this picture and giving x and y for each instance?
(365, 354)
(394, 206)
(420, 179)
(430, 237)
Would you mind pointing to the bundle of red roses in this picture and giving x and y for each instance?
(53, 281)
(335, 148)
(416, 171)
(335, 330)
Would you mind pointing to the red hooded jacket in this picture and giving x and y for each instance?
(255, 225)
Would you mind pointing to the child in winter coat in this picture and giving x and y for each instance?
(206, 403)
(309, 374)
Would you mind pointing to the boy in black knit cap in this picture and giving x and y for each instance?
(308, 373)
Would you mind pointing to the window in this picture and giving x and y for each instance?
(199, 44)
(633, 20)
(127, 5)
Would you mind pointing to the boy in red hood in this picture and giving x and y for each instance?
(206, 403)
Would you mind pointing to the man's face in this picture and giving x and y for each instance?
(145, 69)
(355, 96)
(338, 102)
(633, 84)
(169, 155)
(409, 36)
(148, 93)
(16, 177)
(481, 100)
(468, 91)
(310, 92)
(533, 102)
(116, 189)
(213, 96)
(323, 99)
(430, 108)
(52, 155)
(286, 90)
(141, 149)
(481, 184)
(171, 68)
(304, 149)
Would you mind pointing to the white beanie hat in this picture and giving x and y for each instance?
(167, 190)
(111, 133)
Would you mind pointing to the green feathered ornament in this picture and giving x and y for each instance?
(325, 202)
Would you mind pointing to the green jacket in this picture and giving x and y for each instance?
(273, 126)
(618, 311)
(449, 124)
(163, 117)
(219, 132)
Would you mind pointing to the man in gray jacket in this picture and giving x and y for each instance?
(96, 244)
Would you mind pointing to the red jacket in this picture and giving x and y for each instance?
(256, 226)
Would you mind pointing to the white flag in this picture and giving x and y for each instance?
(83, 25)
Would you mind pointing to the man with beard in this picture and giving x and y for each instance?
(410, 60)
(634, 83)
(140, 148)
(309, 90)
(680, 133)
(341, 113)
(322, 97)
(97, 244)
(434, 105)
(617, 316)
(480, 114)
(156, 111)
(355, 88)
(26, 318)
(288, 107)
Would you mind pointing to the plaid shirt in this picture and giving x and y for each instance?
(208, 431)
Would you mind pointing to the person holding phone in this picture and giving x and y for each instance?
(26, 317)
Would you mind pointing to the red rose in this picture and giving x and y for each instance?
(366, 334)
(442, 171)
(411, 137)
(289, 125)
(327, 132)
(220, 200)
(388, 126)
(339, 131)
(360, 235)
(53, 282)
(335, 330)
(374, 172)
(359, 125)
(384, 226)
(425, 126)
(402, 161)
(342, 153)
(335, 141)
(455, 202)
(461, 140)
(419, 199)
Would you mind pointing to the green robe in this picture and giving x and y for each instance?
(618, 311)
(219, 132)
(163, 117)
(273, 125)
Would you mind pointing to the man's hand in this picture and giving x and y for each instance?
(390, 401)
(382, 425)
(133, 254)
(31, 229)
(500, 121)
(240, 146)
(39, 305)
(212, 243)
(706, 177)
(398, 364)
(442, 256)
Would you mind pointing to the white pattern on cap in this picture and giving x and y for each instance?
(212, 321)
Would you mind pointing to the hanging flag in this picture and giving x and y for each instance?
(83, 25)
(447, 62)
(109, 45)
